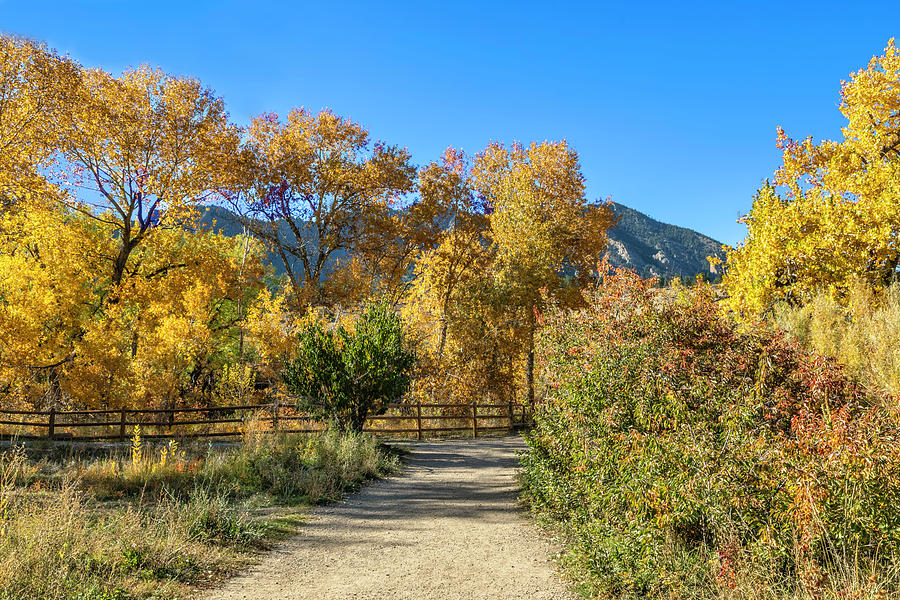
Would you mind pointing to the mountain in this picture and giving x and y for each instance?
(656, 249)
(228, 223)
(220, 220)
(638, 242)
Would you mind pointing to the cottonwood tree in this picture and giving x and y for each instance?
(318, 188)
(836, 217)
(150, 147)
(541, 226)
(158, 343)
(461, 246)
(521, 226)
(446, 304)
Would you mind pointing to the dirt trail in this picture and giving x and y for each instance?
(448, 528)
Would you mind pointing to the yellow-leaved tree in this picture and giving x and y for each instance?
(48, 260)
(446, 303)
(149, 147)
(838, 219)
(166, 337)
(521, 230)
(316, 188)
(544, 231)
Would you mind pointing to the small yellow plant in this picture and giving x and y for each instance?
(170, 453)
(236, 384)
(137, 447)
(255, 429)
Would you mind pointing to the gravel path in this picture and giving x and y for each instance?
(448, 528)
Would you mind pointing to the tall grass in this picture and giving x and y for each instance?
(862, 332)
(154, 524)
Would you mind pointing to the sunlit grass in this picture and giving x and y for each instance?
(159, 521)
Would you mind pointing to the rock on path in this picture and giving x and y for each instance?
(448, 528)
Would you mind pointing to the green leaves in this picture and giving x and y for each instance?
(673, 446)
(344, 375)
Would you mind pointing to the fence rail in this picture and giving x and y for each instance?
(232, 421)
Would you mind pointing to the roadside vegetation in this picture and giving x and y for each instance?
(742, 441)
(157, 522)
(683, 457)
(861, 329)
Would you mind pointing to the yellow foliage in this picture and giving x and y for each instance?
(315, 185)
(271, 328)
(68, 333)
(35, 97)
(863, 332)
(839, 219)
(236, 384)
(473, 299)
(150, 146)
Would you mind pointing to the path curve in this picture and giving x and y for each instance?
(448, 528)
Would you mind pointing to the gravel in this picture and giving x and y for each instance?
(447, 528)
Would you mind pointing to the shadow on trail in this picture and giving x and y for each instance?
(459, 480)
(447, 528)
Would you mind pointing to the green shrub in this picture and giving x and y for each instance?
(687, 459)
(346, 375)
(214, 519)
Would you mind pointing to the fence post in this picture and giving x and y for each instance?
(275, 415)
(474, 421)
(512, 419)
(123, 422)
(419, 420)
(51, 422)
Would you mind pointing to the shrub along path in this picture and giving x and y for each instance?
(447, 528)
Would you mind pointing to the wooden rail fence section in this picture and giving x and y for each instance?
(118, 425)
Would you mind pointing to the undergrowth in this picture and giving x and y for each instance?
(158, 522)
(684, 458)
(862, 331)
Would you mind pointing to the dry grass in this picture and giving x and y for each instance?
(150, 524)
(863, 332)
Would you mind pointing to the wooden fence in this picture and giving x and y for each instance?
(417, 419)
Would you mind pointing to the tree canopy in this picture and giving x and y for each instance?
(834, 215)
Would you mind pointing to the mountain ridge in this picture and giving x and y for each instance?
(637, 241)
(657, 249)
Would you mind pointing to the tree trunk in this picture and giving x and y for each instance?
(129, 243)
(443, 337)
(529, 364)
(120, 263)
(54, 389)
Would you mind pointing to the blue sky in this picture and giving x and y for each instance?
(672, 106)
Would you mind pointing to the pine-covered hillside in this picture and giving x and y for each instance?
(658, 249)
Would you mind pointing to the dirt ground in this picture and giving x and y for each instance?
(447, 528)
